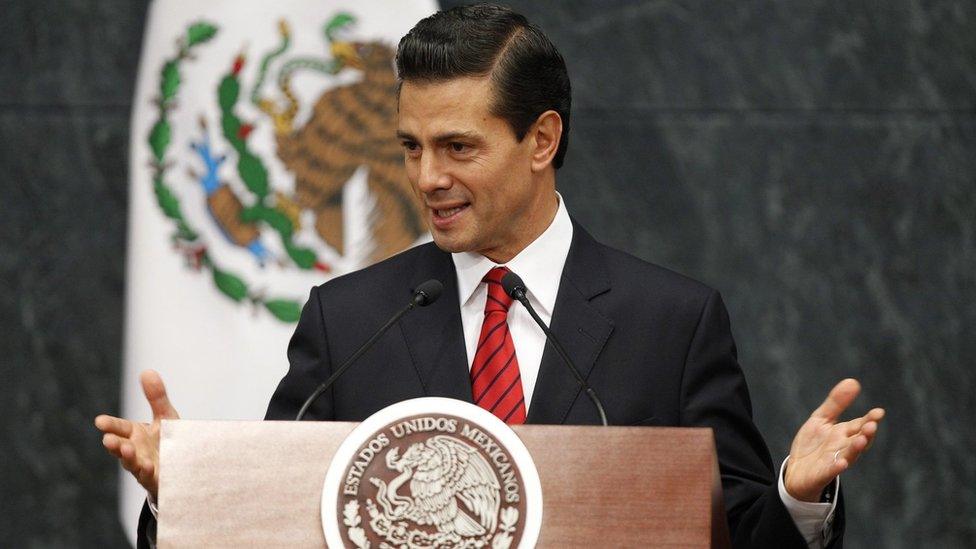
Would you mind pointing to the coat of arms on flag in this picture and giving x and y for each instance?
(349, 128)
(263, 161)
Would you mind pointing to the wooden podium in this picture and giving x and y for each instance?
(259, 484)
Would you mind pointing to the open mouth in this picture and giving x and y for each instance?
(445, 213)
(445, 218)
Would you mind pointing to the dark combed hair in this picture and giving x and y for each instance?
(528, 74)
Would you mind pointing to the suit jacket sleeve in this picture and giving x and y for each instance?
(146, 531)
(309, 365)
(714, 394)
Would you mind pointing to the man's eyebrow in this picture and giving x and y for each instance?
(440, 138)
(451, 136)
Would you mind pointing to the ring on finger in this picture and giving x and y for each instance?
(837, 454)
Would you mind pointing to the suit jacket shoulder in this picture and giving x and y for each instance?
(346, 311)
(637, 276)
(385, 281)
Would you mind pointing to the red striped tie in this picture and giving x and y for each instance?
(496, 383)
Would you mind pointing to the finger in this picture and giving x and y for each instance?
(839, 466)
(859, 443)
(854, 426)
(840, 397)
(148, 467)
(856, 449)
(870, 430)
(145, 472)
(113, 444)
(155, 391)
(841, 459)
(127, 450)
(147, 478)
(114, 425)
(129, 457)
(836, 463)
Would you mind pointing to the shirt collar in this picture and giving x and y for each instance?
(540, 264)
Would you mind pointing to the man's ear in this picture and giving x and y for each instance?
(545, 134)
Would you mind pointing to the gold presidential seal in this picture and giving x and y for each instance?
(432, 473)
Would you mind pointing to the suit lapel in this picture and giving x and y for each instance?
(581, 328)
(434, 335)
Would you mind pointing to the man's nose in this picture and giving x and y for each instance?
(432, 174)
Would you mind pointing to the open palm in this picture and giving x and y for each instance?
(137, 444)
(823, 447)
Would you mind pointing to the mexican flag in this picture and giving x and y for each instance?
(263, 161)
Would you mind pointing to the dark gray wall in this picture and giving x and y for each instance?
(815, 161)
(67, 72)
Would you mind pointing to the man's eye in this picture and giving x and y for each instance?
(458, 147)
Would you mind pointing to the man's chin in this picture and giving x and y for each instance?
(451, 245)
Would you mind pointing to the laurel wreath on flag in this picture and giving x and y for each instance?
(250, 168)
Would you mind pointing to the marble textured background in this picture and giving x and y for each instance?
(813, 160)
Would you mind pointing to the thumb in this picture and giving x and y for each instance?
(152, 386)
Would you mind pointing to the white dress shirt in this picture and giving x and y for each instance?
(540, 265)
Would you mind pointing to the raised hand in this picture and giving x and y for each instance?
(824, 448)
(137, 444)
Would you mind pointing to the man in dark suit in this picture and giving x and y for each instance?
(484, 128)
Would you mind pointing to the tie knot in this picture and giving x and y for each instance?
(498, 300)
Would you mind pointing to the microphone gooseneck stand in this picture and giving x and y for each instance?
(425, 294)
(516, 289)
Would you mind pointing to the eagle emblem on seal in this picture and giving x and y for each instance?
(444, 495)
(452, 487)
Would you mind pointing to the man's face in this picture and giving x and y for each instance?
(474, 178)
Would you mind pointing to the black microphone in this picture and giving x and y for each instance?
(516, 289)
(425, 294)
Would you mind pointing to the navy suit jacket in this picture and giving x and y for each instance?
(654, 345)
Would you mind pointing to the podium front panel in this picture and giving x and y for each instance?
(259, 484)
